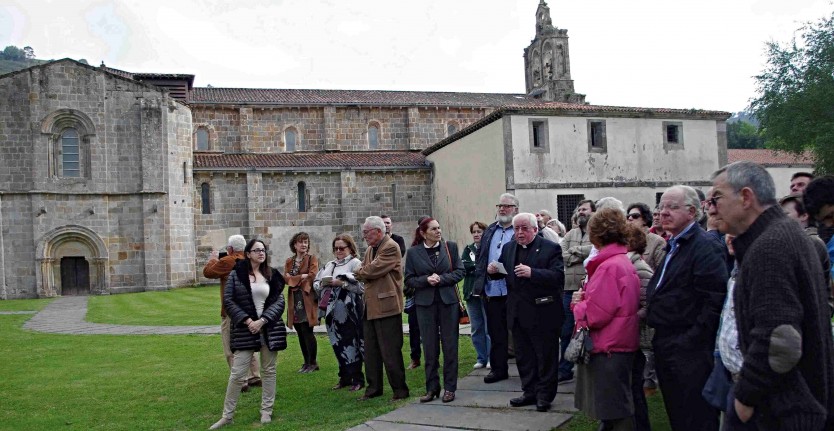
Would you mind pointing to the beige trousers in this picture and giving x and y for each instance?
(240, 364)
(225, 335)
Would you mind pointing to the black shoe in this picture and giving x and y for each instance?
(492, 377)
(564, 378)
(542, 406)
(522, 401)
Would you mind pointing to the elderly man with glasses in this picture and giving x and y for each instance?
(685, 297)
(494, 292)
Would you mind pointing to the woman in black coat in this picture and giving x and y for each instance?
(254, 301)
(433, 268)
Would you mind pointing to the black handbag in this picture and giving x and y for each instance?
(276, 336)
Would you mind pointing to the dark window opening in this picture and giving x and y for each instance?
(302, 197)
(205, 198)
(289, 140)
(202, 139)
(672, 134)
(565, 205)
(70, 154)
(538, 134)
(373, 137)
(597, 134)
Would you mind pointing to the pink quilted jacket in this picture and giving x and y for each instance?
(610, 303)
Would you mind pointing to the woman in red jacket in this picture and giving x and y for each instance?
(608, 307)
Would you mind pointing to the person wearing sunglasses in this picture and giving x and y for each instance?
(341, 299)
(639, 215)
(254, 301)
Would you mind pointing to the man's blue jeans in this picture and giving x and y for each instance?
(566, 367)
(477, 318)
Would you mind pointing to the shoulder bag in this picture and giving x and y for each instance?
(463, 316)
(580, 346)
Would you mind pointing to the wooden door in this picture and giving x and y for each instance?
(75, 276)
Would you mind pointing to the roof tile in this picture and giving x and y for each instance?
(340, 160)
(769, 157)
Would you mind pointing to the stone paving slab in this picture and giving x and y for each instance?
(17, 312)
(393, 426)
(447, 416)
(498, 399)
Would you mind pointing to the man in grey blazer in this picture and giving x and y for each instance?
(535, 278)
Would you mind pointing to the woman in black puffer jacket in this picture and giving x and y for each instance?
(254, 300)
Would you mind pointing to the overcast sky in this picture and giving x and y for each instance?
(649, 53)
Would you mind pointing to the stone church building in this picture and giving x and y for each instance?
(112, 181)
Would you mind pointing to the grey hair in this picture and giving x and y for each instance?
(375, 222)
(237, 242)
(546, 213)
(610, 202)
(690, 197)
(753, 176)
(509, 196)
(558, 224)
(531, 218)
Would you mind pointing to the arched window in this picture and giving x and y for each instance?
(205, 198)
(302, 197)
(373, 136)
(70, 154)
(290, 137)
(202, 139)
(451, 128)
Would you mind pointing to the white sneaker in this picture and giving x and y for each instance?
(478, 365)
(220, 424)
(488, 367)
(266, 418)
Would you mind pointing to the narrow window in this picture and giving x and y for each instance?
(70, 154)
(185, 172)
(205, 198)
(596, 136)
(538, 135)
(451, 129)
(394, 196)
(289, 140)
(302, 197)
(373, 137)
(672, 135)
(202, 139)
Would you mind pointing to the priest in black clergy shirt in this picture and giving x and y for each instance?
(535, 280)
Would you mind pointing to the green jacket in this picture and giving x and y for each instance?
(468, 257)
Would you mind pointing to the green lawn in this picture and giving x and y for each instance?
(24, 304)
(657, 418)
(163, 382)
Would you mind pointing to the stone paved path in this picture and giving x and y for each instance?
(477, 406)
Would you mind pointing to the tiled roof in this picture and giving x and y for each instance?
(143, 76)
(769, 157)
(314, 161)
(274, 96)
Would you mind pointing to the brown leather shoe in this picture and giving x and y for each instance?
(414, 364)
(399, 397)
(429, 396)
(448, 397)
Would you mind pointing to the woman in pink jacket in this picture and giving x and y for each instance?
(608, 307)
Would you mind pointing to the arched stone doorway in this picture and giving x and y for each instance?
(72, 260)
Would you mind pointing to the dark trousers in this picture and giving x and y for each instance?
(496, 312)
(351, 374)
(307, 341)
(641, 407)
(413, 332)
(565, 366)
(537, 357)
(383, 345)
(439, 327)
(682, 375)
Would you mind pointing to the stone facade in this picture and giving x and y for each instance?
(126, 213)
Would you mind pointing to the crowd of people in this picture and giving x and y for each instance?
(721, 300)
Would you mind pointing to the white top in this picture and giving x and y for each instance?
(259, 293)
(728, 333)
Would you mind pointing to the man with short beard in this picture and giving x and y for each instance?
(494, 292)
(576, 247)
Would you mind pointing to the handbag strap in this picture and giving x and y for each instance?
(452, 268)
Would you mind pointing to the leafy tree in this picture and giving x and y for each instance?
(13, 53)
(29, 52)
(743, 135)
(795, 94)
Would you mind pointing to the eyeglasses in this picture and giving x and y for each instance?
(633, 216)
(505, 206)
(257, 250)
(672, 207)
(340, 248)
(367, 231)
(713, 201)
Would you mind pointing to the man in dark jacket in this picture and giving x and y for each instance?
(410, 309)
(685, 297)
(221, 267)
(494, 292)
(535, 278)
(786, 381)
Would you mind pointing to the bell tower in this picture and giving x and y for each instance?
(547, 62)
